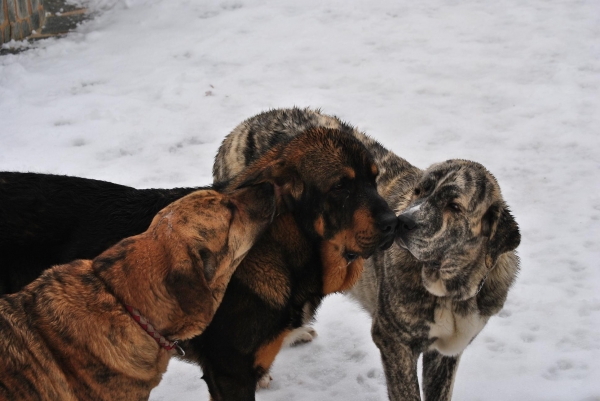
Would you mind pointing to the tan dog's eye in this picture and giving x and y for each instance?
(233, 209)
(455, 207)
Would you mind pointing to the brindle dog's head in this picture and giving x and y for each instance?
(327, 178)
(457, 224)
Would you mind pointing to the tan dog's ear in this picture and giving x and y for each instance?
(502, 230)
(191, 289)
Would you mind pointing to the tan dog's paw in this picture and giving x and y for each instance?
(264, 381)
(301, 335)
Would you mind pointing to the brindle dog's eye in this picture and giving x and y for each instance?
(455, 207)
(417, 191)
(426, 187)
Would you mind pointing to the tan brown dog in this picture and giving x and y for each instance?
(69, 334)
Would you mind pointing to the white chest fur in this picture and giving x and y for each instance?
(452, 331)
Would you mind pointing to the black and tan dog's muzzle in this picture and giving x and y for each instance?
(387, 224)
(406, 225)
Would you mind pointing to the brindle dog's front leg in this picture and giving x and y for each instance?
(439, 372)
(399, 363)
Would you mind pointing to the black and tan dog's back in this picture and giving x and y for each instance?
(72, 334)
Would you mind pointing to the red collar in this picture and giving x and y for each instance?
(163, 342)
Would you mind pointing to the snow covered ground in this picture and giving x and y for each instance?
(143, 94)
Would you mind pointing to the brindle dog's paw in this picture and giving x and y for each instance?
(301, 335)
(264, 381)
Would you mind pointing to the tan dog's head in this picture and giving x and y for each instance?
(457, 224)
(177, 271)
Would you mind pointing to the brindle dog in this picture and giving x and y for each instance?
(79, 332)
(435, 292)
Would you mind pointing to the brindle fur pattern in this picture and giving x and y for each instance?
(67, 335)
(456, 234)
(333, 218)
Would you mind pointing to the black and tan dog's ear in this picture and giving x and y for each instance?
(501, 229)
(279, 172)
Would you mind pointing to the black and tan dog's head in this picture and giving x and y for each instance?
(327, 179)
(457, 224)
(177, 271)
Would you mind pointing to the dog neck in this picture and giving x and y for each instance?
(160, 340)
(137, 271)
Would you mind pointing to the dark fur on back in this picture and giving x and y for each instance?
(47, 220)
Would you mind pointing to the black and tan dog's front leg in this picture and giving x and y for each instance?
(399, 363)
(439, 372)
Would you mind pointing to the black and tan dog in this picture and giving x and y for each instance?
(79, 332)
(454, 266)
(334, 217)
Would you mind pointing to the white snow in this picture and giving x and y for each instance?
(143, 94)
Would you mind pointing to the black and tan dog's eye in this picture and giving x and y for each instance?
(339, 187)
(350, 256)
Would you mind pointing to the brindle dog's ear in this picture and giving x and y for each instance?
(501, 229)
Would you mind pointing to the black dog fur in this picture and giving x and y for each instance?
(47, 220)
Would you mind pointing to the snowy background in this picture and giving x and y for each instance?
(143, 95)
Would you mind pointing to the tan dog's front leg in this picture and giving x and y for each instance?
(439, 372)
(399, 363)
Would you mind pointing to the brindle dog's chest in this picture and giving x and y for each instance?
(454, 327)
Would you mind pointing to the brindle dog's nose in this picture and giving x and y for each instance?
(406, 223)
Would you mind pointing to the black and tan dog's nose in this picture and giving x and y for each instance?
(406, 223)
(387, 224)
